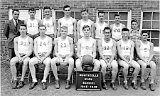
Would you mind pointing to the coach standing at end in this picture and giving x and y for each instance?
(11, 31)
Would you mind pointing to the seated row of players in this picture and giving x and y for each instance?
(23, 46)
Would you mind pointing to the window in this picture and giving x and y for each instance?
(109, 16)
(24, 14)
(150, 22)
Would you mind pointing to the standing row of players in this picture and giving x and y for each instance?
(63, 50)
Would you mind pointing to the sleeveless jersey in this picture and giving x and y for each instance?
(23, 45)
(107, 47)
(49, 25)
(117, 32)
(82, 23)
(43, 45)
(145, 50)
(87, 47)
(69, 23)
(126, 48)
(63, 46)
(32, 26)
(99, 29)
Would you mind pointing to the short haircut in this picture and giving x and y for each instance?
(107, 28)
(64, 27)
(101, 12)
(146, 31)
(47, 7)
(66, 6)
(125, 29)
(32, 9)
(41, 26)
(14, 10)
(84, 10)
(116, 15)
(24, 25)
(134, 20)
(86, 26)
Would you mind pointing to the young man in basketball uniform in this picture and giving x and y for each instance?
(84, 21)
(135, 32)
(107, 50)
(23, 47)
(117, 28)
(86, 46)
(68, 21)
(64, 53)
(49, 22)
(32, 24)
(125, 51)
(145, 54)
(42, 50)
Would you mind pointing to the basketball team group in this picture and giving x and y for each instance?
(76, 43)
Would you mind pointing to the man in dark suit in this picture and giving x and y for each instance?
(11, 31)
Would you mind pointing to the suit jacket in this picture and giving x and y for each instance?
(11, 31)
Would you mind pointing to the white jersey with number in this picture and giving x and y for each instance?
(145, 50)
(43, 45)
(107, 47)
(82, 23)
(63, 46)
(69, 23)
(49, 25)
(99, 29)
(117, 31)
(32, 26)
(126, 48)
(87, 46)
(23, 45)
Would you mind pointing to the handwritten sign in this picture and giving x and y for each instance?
(88, 80)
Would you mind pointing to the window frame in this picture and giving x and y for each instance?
(117, 10)
(141, 23)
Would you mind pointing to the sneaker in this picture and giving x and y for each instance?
(134, 85)
(152, 87)
(57, 84)
(104, 86)
(32, 85)
(14, 84)
(143, 86)
(113, 86)
(44, 85)
(68, 84)
(125, 85)
(20, 84)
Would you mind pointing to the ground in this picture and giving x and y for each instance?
(51, 91)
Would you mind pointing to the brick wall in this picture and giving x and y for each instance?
(135, 5)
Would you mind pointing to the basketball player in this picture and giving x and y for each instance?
(32, 24)
(23, 47)
(125, 51)
(86, 46)
(107, 50)
(42, 50)
(117, 28)
(84, 21)
(145, 54)
(135, 32)
(49, 22)
(68, 21)
(100, 25)
(63, 52)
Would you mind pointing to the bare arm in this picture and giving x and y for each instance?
(71, 47)
(74, 30)
(100, 49)
(138, 44)
(94, 48)
(59, 26)
(132, 51)
(36, 48)
(78, 30)
(16, 47)
(92, 29)
(55, 28)
(50, 47)
(113, 51)
(79, 49)
(151, 52)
